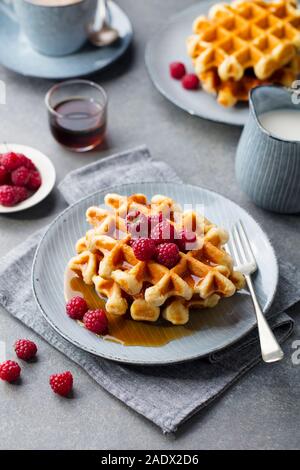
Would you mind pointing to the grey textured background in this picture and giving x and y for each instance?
(262, 410)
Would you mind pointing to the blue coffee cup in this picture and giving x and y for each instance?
(55, 27)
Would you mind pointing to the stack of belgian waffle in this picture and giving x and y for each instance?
(245, 44)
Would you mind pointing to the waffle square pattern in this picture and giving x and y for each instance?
(146, 290)
(258, 36)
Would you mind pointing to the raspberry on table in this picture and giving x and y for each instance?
(25, 349)
(76, 308)
(186, 240)
(144, 249)
(167, 254)
(4, 175)
(11, 161)
(96, 321)
(177, 70)
(34, 181)
(190, 81)
(10, 371)
(61, 384)
(163, 232)
(9, 195)
(20, 176)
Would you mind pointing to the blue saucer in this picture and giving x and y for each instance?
(17, 54)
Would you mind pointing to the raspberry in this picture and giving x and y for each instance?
(132, 216)
(8, 196)
(76, 308)
(25, 349)
(144, 248)
(25, 161)
(11, 195)
(22, 193)
(34, 181)
(61, 383)
(20, 176)
(153, 220)
(11, 161)
(177, 70)
(167, 254)
(96, 321)
(163, 232)
(190, 81)
(137, 224)
(10, 371)
(3, 175)
(186, 240)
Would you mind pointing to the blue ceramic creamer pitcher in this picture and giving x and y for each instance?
(268, 167)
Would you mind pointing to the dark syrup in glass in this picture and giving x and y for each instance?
(78, 123)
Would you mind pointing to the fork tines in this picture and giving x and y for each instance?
(240, 248)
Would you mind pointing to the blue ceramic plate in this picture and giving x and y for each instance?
(219, 327)
(168, 45)
(17, 54)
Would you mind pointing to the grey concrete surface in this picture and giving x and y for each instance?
(260, 411)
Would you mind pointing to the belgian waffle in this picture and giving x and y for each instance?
(202, 276)
(229, 92)
(245, 44)
(264, 36)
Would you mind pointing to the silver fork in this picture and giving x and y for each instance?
(241, 252)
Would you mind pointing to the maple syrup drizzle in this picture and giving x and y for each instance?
(123, 329)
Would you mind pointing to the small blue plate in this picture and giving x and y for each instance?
(168, 45)
(221, 326)
(17, 54)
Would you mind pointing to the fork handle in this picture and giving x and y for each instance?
(270, 349)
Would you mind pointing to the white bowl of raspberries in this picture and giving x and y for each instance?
(26, 177)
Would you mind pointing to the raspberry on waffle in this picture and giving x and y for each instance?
(196, 278)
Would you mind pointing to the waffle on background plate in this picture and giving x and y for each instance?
(245, 44)
(105, 259)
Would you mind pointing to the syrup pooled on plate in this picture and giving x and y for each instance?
(123, 329)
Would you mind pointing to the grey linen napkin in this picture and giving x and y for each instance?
(167, 395)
